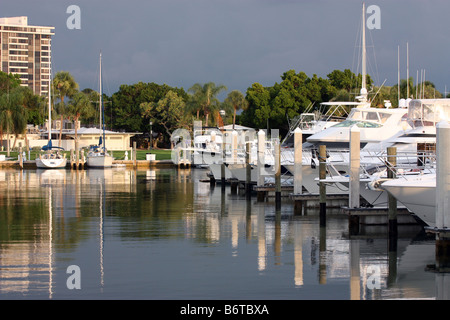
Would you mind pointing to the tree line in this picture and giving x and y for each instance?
(133, 107)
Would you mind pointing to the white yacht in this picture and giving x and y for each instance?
(313, 122)
(375, 124)
(52, 157)
(98, 156)
(416, 153)
(417, 193)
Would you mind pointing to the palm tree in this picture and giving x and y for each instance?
(205, 97)
(65, 86)
(13, 115)
(237, 100)
(79, 106)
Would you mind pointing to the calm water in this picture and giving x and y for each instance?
(164, 234)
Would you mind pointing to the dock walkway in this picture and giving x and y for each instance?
(31, 164)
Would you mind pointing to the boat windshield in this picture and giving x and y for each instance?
(428, 112)
(370, 115)
(307, 120)
(359, 123)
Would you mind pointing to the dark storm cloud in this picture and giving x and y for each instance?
(236, 42)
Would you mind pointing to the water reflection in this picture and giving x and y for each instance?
(165, 234)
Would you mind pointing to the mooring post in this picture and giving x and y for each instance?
(71, 158)
(134, 154)
(443, 194)
(28, 149)
(298, 165)
(277, 173)
(20, 157)
(391, 174)
(234, 147)
(77, 154)
(248, 182)
(322, 186)
(222, 166)
(354, 192)
(261, 163)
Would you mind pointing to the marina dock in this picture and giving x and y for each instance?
(31, 164)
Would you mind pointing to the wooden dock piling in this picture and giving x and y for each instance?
(392, 201)
(298, 170)
(222, 166)
(134, 154)
(443, 195)
(261, 164)
(322, 186)
(248, 182)
(354, 167)
(277, 173)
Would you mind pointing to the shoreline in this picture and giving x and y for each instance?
(31, 164)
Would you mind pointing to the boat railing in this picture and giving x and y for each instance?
(407, 162)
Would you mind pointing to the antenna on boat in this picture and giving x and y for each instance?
(407, 70)
(50, 105)
(378, 91)
(398, 72)
(100, 89)
(363, 93)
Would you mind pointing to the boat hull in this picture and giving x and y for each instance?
(310, 181)
(419, 198)
(216, 170)
(48, 163)
(99, 161)
(239, 172)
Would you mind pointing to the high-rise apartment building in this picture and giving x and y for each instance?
(26, 50)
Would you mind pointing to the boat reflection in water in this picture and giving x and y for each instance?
(164, 234)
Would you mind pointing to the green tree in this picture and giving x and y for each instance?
(237, 101)
(13, 115)
(347, 80)
(257, 113)
(64, 86)
(126, 105)
(342, 79)
(8, 82)
(168, 112)
(35, 106)
(94, 98)
(205, 96)
(79, 106)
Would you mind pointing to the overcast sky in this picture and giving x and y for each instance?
(238, 42)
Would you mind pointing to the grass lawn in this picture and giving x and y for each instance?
(161, 154)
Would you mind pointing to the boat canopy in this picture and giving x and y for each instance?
(428, 112)
(49, 146)
(359, 123)
(374, 115)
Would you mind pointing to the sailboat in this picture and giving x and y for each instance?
(52, 158)
(98, 157)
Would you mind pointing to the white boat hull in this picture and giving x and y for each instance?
(216, 170)
(418, 197)
(310, 180)
(49, 163)
(99, 161)
(239, 172)
(376, 198)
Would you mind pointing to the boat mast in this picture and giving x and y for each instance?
(50, 105)
(100, 96)
(102, 115)
(407, 71)
(363, 91)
